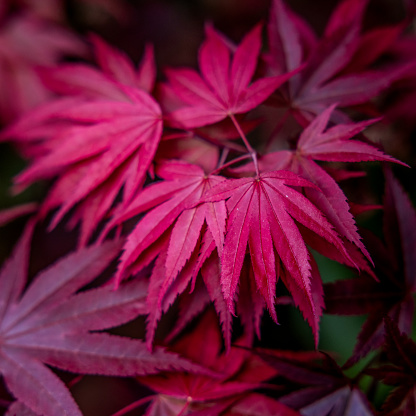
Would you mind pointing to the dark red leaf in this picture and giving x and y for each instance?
(49, 324)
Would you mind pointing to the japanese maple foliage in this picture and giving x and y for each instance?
(334, 69)
(321, 388)
(50, 324)
(224, 89)
(394, 267)
(240, 374)
(207, 201)
(106, 135)
(399, 372)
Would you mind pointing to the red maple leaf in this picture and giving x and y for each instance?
(263, 213)
(399, 372)
(318, 385)
(317, 143)
(171, 201)
(336, 67)
(173, 231)
(224, 88)
(240, 373)
(99, 142)
(395, 269)
(49, 323)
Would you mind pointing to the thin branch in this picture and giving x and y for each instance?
(231, 162)
(133, 406)
(252, 152)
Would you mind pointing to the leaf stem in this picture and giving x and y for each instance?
(74, 381)
(252, 152)
(182, 412)
(133, 406)
(223, 158)
(231, 162)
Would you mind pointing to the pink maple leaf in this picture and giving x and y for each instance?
(172, 230)
(333, 144)
(263, 213)
(102, 140)
(172, 202)
(225, 87)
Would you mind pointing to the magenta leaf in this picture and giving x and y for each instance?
(334, 144)
(173, 201)
(261, 213)
(35, 385)
(100, 143)
(224, 87)
(201, 196)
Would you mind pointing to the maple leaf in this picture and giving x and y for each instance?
(334, 68)
(115, 68)
(49, 324)
(395, 269)
(320, 387)
(261, 214)
(202, 292)
(224, 88)
(333, 144)
(173, 201)
(239, 374)
(171, 231)
(399, 372)
(96, 146)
